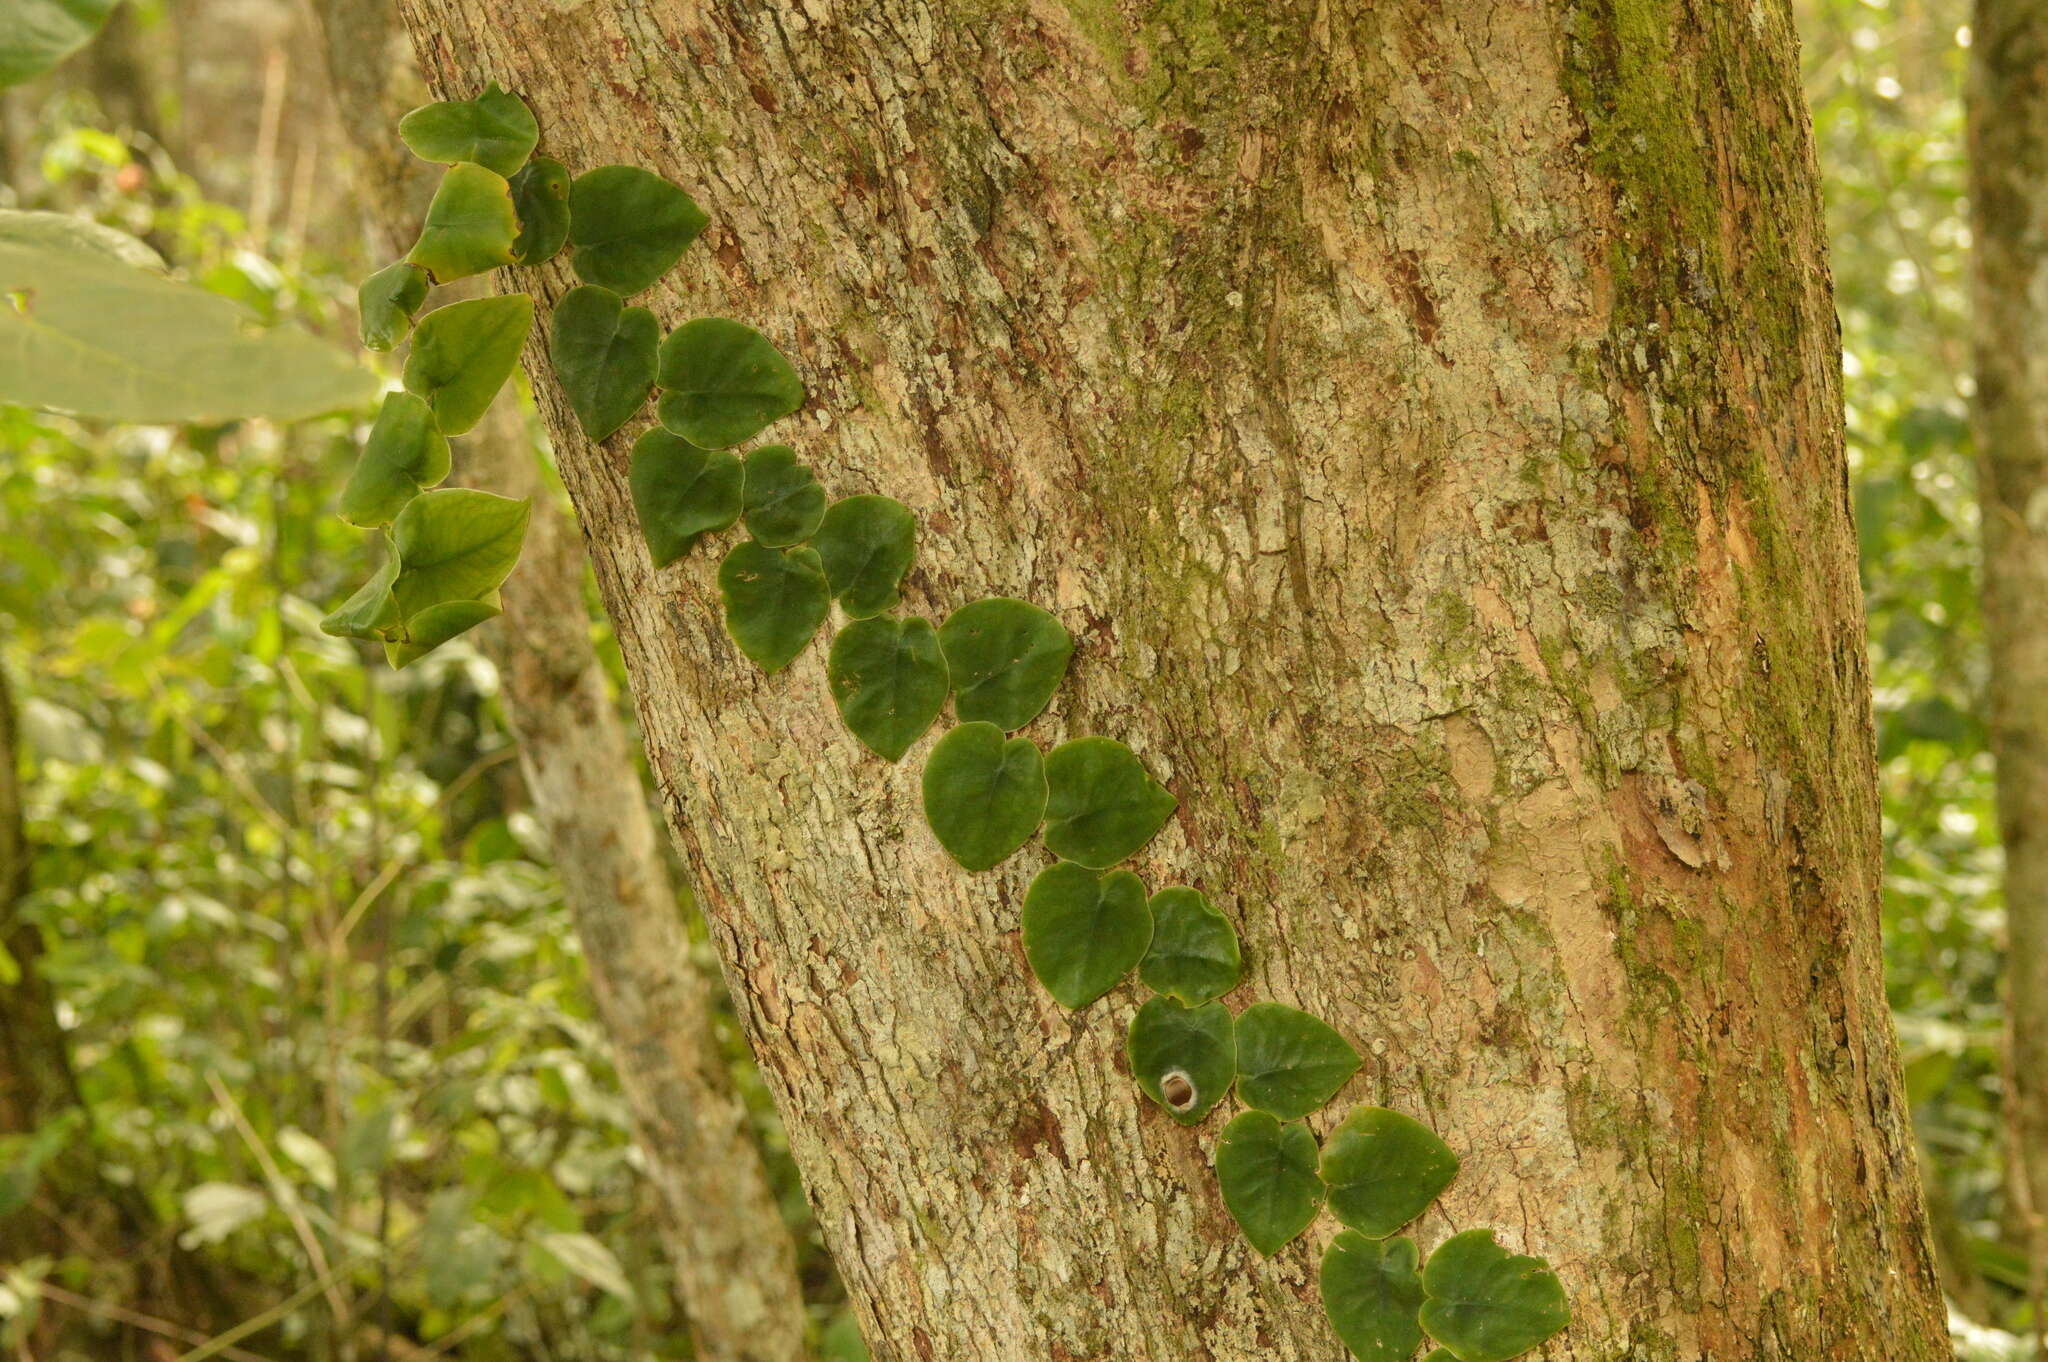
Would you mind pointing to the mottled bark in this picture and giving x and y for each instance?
(1427, 419)
(2008, 112)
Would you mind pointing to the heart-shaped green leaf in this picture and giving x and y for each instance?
(386, 301)
(1102, 805)
(722, 382)
(629, 226)
(784, 501)
(604, 357)
(463, 353)
(37, 34)
(888, 679)
(1371, 1293)
(1487, 1304)
(372, 611)
(983, 797)
(1183, 1057)
(404, 455)
(1194, 955)
(1084, 930)
(1268, 1175)
(470, 225)
(1288, 1062)
(867, 543)
(682, 492)
(540, 196)
(454, 544)
(1007, 657)
(495, 130)
(434, 626)
(775, 599)
(1383, 1169)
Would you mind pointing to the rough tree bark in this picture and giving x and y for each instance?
(2008, 116)
(734, 1261)
(1427, 419)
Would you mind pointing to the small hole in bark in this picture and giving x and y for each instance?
(1178, 1089)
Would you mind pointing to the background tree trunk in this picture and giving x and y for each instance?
(1426, 417)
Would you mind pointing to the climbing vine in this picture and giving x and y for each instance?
(987, 789)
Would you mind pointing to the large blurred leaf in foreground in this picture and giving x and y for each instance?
(37, 34)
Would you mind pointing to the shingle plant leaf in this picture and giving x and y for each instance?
(454, 544)
(1007, 657)
(888, 681)
(1371, 1292)
(1383, 1169)
(404, 455)
(495, 130)
(1194, 955)
(723, 382)
(37, 34)
(470, 226)
(1487, 1304)
(1084, 930)
(681, 492)
(1267, 1171)
(775, 599)
(540, 196)
(463, 353)
(1183, 1058)
(867, 543)
(983, 796)
(784, 502)
(386, 301)
(603, 353)
(1441, 1355)
(629, 226)
(1102, 805)
(435, 625)
(1289, 1063)
(371, 611)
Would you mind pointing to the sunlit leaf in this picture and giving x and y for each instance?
(603, 353)
(404, 455)
(888, 681)
(629, 226)
(775, 599)
(1083, 930)
(1289, 1063)
(1371, 1293)
(495, 130)
(454, 544)
(463, 353)
(1007, 657)
(1487, 1304)
(866, 543)
(983, 797)
(470, 225)
(783, 499)
(371, 611)
(681, 492)
(434, 626)
(1183, 1058)
(1267, 1173)
(723, 382)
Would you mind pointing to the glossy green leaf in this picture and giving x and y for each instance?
(404, 455)
(35, 35)
(629, 226)
(983, 797)
(84, 332)
(1007, 657)
(1084, 930)
(1289, 1063)
(540, 197)
(454, 544)
(1371, 1293)
(723, 382)
(888, 680)
(372, 611)
(867, 543)
(1486, 1304)
(1183, 1058)
(386, 301)
(775, 599)
(1383, 1169)
(1267, 1172)
(681, 492)
(1194, 955)
(463, 353)
(495, 130)
(603, 352)
(434, 626)
(1102, 804)
(784, 502)
(470, 225)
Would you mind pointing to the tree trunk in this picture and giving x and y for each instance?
(734, 1260)
(2008, 114)
(1426, 418)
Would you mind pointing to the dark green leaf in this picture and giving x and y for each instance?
(629, 226)
(682, 492)
(784, 501)
(495, 130)
(1102, 805)
(1487, 1304)
(1383, 1169)
(1183, 1058)
(775, 599)
(386, 301)
(1194, 954)
(454, 544)
(983, 797)
(1371, 1293)
(604, 357)
(1288, 1062)
(372, 611)
(404, 455)
(470, 225)
(540, 196)
(1007, 657)
(463, 353)
(888, 679)
(434, 626)
(1267, 1172)
(867, 543)
(37, 34)
(1083, 930)
(722, 382)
